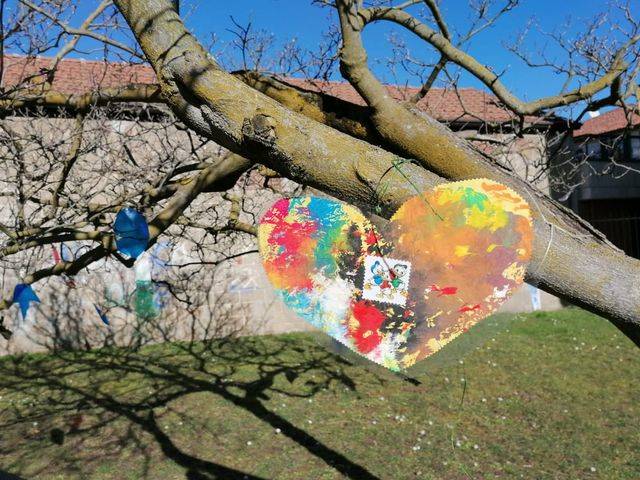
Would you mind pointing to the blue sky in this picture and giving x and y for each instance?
(299, 19)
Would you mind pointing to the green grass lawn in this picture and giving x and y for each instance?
(539, 396)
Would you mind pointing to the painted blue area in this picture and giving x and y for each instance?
(65, 253)
(132, 232)
(161, 296)
(102, 315)
(311, 311)
(331, 220)
(301, 303)
(158, 263)
(69, 254)
(23, 295)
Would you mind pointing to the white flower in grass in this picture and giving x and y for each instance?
(249, 443)
(278, 430)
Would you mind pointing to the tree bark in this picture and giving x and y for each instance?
(569, 259)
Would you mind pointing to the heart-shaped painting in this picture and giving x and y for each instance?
(446, 260)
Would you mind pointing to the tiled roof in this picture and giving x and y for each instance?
(469, 105)
(74, 75)
(447, 105)
(610, 121)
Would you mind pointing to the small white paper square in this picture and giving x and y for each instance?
(386, 280)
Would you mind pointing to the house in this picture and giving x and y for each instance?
(469, 112)
(598, 176)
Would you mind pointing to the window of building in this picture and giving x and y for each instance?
(594, 149)
(634, 148)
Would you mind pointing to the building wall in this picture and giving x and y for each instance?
(605, 192)
(236, 297)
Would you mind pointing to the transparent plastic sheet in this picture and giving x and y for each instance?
(464, 338)
(479, 336)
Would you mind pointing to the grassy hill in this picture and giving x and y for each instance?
(540, 396)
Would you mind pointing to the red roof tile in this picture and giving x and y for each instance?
(610, 121)
(447, 105)
(79, 76)
(74, 75)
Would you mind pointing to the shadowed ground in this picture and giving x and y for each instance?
(548, 395)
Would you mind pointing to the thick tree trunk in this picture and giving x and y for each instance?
(569, 260)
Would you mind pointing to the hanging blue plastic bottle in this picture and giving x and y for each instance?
(132, 232)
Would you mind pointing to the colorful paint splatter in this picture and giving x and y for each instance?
(447, 259)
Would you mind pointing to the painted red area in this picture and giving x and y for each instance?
(366, 334)
(296, 246)
(468, 308)
(404, 326)
(292, 236)
(277, 212)
(56, 255)
(444, 290)
(371, 238)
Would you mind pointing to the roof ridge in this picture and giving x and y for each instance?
(612, 120)
(334, 82)
(393, 85)
(81, 60)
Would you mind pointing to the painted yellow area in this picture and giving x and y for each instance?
(491, 218)
(354, 215)
(461, 250)
(446, 193)
(514, 272)
(264, 232)
(410, 359)
(431, 320)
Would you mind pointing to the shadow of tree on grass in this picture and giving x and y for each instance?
(127, 392)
